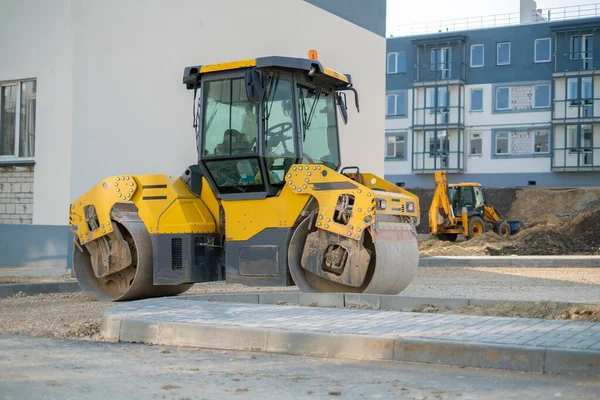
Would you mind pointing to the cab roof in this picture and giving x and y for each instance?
(192, 74)
(464, 184)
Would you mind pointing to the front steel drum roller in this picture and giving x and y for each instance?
(132, 282)
(391, 268)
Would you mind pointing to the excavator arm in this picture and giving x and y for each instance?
(440, 212)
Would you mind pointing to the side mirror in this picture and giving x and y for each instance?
(254, 86)
(341, 102)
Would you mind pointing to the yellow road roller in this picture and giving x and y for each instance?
(267, 204)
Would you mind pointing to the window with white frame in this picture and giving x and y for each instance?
(397, 104)
(475, 143)
(541, 96)
(502, 98)
(476, 100)
(396, 145)
(17, 119)
(396, 62)
(503, 53)
(522, 142)
(541, 50)
(477, 58)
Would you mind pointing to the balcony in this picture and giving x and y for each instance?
(439, 60)
(437, 149)
(575, 147)
(575, 99)
(438, 106)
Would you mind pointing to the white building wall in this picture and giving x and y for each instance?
(133, 114)
(109, 81)
(36, 39)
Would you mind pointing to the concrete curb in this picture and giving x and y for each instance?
(7, 290)
(351, 300)
(358, 347)
(512, 261)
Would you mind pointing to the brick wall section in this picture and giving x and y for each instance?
(16, 195)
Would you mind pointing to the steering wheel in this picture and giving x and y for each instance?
(275, 134)
(279, 129)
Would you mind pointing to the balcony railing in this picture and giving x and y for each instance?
(576, 158)
(442, 71)
(575, 61)
(498, 20)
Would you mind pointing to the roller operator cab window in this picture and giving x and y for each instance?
(280, 140)
(230, 129)
(318, 127)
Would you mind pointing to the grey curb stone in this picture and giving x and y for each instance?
(322, 299)
(231, 338)
(392, 302)
(6, 290)
(11, 289)
(330, 345)
(511, 261)
(476, 355)
(138, 331)
(110, 327)
(279, 298)
(366, 301)
(572, 361)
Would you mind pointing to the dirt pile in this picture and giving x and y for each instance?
(546, 235)
(478, 246)
(532, 204)
(581, 235)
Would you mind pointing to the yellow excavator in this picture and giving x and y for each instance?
(461, 209)
(267, 203)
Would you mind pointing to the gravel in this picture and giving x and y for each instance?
(77, 315)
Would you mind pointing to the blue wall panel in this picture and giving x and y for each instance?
(370, 14)
(35, 245)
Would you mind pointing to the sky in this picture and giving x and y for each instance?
(406, 12)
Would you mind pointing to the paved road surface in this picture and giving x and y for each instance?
(37, 368)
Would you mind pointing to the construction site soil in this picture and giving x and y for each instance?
(553, 222)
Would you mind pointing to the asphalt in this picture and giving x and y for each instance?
(317, 327)
(40, 368)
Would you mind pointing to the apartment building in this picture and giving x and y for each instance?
(508, 106)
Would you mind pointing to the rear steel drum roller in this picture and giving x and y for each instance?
(132, 282)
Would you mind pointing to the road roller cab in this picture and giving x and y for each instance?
(268, 203)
